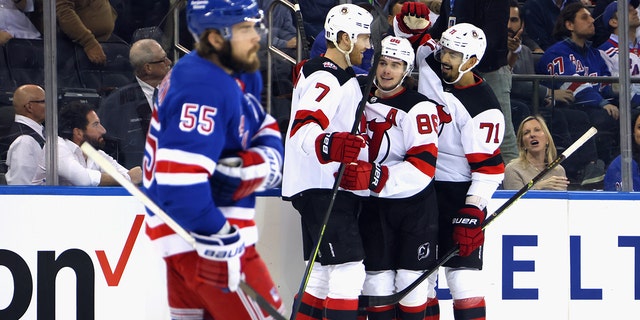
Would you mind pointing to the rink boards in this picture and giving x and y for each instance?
(82, 251)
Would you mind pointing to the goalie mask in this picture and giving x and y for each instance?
(466, 39)
(348, 18)
(397, 48)
(220, 15)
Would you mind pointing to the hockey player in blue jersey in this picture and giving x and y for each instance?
(210, 146)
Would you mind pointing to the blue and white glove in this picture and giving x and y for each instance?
(220, 259)
(255, 169)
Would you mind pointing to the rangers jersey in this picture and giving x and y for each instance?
(470, 131)
(201, 115)
(567, 59)
(402, 131)
(610, 53)
(325, 99)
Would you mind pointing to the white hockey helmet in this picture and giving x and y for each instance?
(348, 18)
(466, 39)
(399, 48)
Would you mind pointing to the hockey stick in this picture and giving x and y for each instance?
(147, 202)
(336, 183)
(300, 26)
(372, 301)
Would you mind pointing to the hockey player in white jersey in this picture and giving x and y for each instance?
(399, 221)
(469, 167)
(323, 112)
(210, 146)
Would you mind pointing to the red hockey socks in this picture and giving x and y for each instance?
(412, 313)
(382, 313)
(340, 309)
(470, 309)
(433, 310)
(311, 308)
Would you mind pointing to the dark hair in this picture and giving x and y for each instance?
(392, 4)
(568, 13)
(73, 115)
(516, 4)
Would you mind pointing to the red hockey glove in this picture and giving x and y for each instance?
(239, 176)
(413, 18)
(467, 229)
(219, 264)
(338, 146)
(364, 175)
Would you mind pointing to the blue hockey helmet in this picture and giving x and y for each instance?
(220, 15)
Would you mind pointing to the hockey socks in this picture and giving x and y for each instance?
(340, 309)
(382, 313)
(412, 313)
(433, 310)
(311, 308)
(469, 309)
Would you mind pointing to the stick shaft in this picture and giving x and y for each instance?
(147, 202)
(372, 301)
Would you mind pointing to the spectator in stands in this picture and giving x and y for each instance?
(87, 22)
(535, 151)
(79, 123)
(541, 16)
(13, 21)
(492, 17)
(22, 146)
(572, 55)
(126, 112)
(313, 14)
(613, 177)
(566, 124)
(609, 48)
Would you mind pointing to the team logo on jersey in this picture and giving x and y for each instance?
(424, 251)
(444, 118)
(379, 135)
(329, 65)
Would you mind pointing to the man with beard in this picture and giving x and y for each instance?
(325, 98)
(78, 122)
(210, 147)
(470, 166)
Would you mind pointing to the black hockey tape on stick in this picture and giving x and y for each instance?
(336, 183)
(300, 26)
(373, 301)
(147, 202)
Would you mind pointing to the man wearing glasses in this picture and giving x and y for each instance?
(22, 147)
(126, 112)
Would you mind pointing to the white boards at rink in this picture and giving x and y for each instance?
(81, 253)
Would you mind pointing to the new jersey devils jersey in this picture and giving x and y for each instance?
(403, 135)
(471, 129)
(325, 99)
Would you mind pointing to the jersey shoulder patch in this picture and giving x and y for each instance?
(324, 64)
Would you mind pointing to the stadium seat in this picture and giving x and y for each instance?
(115, 73)
(25, 59)
(6, 82)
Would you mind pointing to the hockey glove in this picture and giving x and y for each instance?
(364, 175)
(413, 18)
(467, 229)
(240, 176)
(219, 264)
(338, 146)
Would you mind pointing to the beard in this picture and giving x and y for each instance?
(239, 65)
(97, 143)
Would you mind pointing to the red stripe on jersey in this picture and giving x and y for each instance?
(486, 163)
(575, 85)
(159, 231)
(423, 158)
(272, 126)
(304, 117)
(165, 166)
